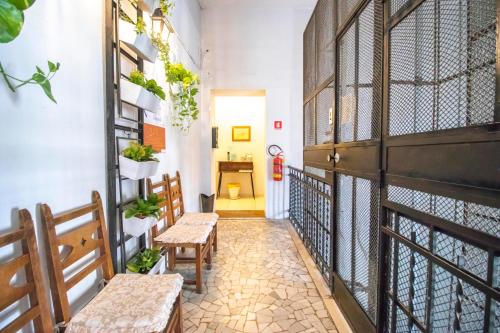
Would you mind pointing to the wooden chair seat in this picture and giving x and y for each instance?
(198, 219)
(130, 303)
(181, 235)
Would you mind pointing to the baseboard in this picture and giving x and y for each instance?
(241, 213)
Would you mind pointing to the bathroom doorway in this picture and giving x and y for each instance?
(239, 158)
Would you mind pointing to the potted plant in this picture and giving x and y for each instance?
(136, 38)
(183, 91)
(141, 92)
(149, 261)
(141, 215)
(137, 161)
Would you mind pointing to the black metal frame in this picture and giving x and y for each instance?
(414, 162)
(116, 203)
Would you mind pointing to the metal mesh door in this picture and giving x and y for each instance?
(357, 239)
(309, 124)
(324, 116)
(442, 61)
(358, 119)
(439, 281)
(309, 58)
(325, 38)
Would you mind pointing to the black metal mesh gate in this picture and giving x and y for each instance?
(414, 147)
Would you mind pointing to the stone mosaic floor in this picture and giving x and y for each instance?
(258, 283)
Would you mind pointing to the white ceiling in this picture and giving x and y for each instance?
(256, 3)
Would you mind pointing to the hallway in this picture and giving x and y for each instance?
(258, 283)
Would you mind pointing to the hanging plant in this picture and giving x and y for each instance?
(183, 90)
(11, 24)
(167, 7)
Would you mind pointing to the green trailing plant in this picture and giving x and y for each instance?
(39, 78)
(145, 208)
(139, 153)
(140, 26)
(11, 24)
(183, 95)
(167, 7)
(150, 85)
(144, 261)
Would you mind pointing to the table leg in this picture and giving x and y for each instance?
(199, 260)
(251, 180)
(220, 183)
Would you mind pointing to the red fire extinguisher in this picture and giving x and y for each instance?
(278, 161)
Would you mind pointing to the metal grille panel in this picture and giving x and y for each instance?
(325, 41)
(357, 239)
(442, 61)
(344, 8)
(309, 124)
(358, 118)
(347, 80)
(471, 215)
(324, 105)
(311, 216)
(309, 58)
(455, 305)
(396, 5)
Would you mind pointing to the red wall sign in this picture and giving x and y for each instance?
(278, 124)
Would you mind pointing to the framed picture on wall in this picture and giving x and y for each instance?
(242, 133)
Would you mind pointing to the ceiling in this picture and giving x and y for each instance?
(205, 4)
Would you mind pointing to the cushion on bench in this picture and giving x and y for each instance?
(198, 219)
(130, 303)
(185, 234)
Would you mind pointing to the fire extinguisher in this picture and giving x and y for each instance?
(278, 167)
(276, 153)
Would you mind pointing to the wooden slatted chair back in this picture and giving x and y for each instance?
(81, 241)
(34, 288)
(161, 189)
(176, 198)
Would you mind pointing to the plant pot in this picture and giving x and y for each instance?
(148, 5)
(136, 95)
(137, 170)
(139, 43)
(137, 227)
(158, 268)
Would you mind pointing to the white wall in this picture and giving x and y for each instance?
(55, 153)
(257, 44)
(242, 111)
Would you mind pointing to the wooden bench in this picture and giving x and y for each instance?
(34, 288)
(129, 302)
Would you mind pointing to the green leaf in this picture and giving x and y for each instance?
(11, 21)
(22, 4)
(53, 67)
(45, 84)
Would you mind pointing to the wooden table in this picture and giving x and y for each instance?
(235, 167)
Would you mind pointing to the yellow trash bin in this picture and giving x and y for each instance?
(234, 190)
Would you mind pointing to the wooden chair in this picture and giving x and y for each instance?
(180, 216)
(172, 237)
(34, 287)
(121, 303)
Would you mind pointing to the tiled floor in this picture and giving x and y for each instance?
(258, 283)
(258, 203)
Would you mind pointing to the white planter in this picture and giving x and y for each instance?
(136, 95)
(158, 268)
(137, 227)
(137, 170)
(139, 43)
(148, 5)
